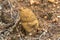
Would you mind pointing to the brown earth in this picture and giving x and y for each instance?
(48, 15)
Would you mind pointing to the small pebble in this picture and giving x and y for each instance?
(45, 17)
(0, 7)
(58, 16)
(52, 1)
(55, 20)
(34, 2)
(30, 33)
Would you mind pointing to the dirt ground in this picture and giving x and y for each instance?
(46, 11)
